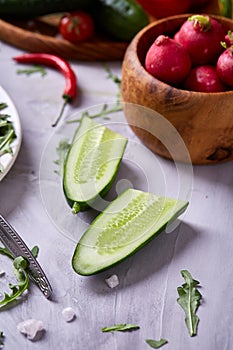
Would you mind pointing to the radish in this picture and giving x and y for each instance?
(201, 35)
(225, 66)
(228, 39)
(167, 60)
(204, 79)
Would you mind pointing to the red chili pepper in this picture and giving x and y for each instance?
(62, 65)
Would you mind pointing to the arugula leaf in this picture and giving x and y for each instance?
(33, 69)
(20, 270)
(5, 251)
(1, 338)
(189, 299)
(156, 344)
(20, 265)
(122, 327)
(35, 251)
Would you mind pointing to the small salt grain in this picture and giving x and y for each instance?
(32, 328)
(68, 314)
(112, 281)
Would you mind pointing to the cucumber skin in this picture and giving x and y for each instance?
(22, 9)
(84, 205)
(81, 273)
(121, 19)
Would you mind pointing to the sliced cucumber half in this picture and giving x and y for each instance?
(91, 164)
(127, 224)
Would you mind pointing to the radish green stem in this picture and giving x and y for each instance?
(203, 21)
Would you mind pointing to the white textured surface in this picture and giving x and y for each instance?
(148, 290)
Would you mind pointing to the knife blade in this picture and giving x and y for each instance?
(12, 241)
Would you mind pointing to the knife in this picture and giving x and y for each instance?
(12, 241)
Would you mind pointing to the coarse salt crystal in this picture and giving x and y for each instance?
(112, 281)
(68, 314)
(32, 328)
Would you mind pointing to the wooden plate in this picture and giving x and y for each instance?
(41, 35)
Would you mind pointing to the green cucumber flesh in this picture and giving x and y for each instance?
(126, 225)
(92, 163)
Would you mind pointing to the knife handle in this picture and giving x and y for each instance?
(17, 247)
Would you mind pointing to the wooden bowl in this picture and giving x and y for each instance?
(203, 120)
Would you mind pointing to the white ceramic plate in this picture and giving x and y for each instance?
(7, 160)
(140, 169)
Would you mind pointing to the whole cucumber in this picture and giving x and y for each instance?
(121, 19)
(22, 9)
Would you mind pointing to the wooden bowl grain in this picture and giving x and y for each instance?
(203, 120)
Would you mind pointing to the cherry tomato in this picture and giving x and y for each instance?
(165, 8)
(76, 26)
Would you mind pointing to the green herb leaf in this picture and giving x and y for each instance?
(32, 70)
(20, 270)
(115, 79)
(156, 344)
(5, 251)
(7, 134)
(112, 76)
(35, 251)
(123, 327)
(105, 109)
(62, 150)
(20, 265)
(1, 338)
(189, 299)
(3, 105)
(103, 113)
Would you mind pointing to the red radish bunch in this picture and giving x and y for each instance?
(194, 58)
